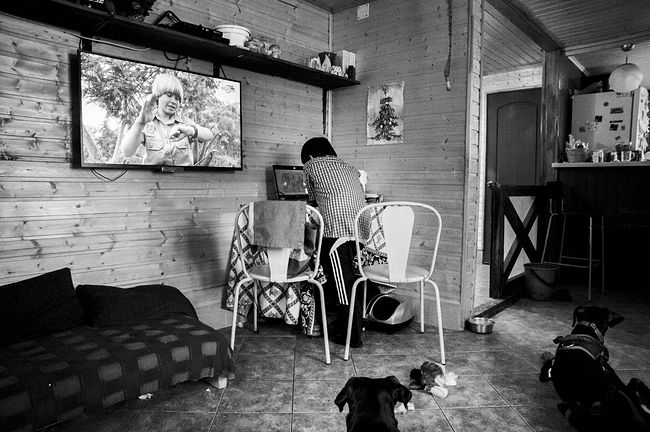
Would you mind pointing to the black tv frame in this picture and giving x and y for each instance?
(236, 137)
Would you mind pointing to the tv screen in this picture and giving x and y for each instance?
(137, 115)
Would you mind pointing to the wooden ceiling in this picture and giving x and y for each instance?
(591, 32)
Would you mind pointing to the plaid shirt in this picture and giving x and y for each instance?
(334, 185)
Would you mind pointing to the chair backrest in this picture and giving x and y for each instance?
(398, 229)
(279, 259)
(386, 229)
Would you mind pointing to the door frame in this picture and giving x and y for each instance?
(525, 78)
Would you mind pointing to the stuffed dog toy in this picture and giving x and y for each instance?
(594, 397)
(432, 378)
(371, 403)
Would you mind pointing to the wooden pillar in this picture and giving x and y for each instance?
(551, 144)
(561, 77)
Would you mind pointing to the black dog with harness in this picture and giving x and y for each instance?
(594, 397)
(590, 345)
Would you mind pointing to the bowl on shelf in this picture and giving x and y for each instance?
(237, 35)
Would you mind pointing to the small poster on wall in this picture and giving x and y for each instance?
(385, 114)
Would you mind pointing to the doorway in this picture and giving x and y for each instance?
(510, 131)
(513, 124)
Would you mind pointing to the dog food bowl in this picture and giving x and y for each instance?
(237, 35)
(480, 325)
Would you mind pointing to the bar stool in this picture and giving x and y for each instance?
(556, 203)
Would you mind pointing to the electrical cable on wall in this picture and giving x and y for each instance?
(103, 177)
(448, 65)
(175, 60)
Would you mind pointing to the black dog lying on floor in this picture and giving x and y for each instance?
(594, 397)
(371, 402)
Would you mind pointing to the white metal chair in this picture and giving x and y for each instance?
(274, 268)
(387, 228)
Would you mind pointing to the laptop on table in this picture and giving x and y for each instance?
(289, 182)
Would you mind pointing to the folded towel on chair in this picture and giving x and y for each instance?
(278, 224)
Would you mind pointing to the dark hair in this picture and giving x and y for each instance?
(316, 147)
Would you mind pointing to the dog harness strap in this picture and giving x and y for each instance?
(594, 328)
(586, 343)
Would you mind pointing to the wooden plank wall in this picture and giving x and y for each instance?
(510, 61)
(408, 41)
(472, 165)
(144, 227)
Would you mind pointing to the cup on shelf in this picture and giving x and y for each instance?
(597, 156)
(626, 155)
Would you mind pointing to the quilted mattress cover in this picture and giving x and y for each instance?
(84, 369)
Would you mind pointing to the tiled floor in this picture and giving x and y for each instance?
(284, 385)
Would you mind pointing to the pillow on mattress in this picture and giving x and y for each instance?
(106, 306)
(37, 306)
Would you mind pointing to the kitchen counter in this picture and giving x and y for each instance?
(617, 190)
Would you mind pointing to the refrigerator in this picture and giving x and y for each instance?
(609, 118)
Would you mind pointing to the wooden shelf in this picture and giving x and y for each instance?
(600, 164)
(92, 22)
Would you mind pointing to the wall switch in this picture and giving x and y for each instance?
(363, 11)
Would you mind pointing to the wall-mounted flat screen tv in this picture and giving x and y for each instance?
(138, 115)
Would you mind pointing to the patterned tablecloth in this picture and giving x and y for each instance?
(292, 302)
(295, 302)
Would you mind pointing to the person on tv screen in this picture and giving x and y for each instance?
(335, 187)
(167, 138)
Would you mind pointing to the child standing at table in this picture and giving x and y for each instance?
(334, 186)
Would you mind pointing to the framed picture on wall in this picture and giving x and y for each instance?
(385, 121)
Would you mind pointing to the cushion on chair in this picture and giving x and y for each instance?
(33, 307)
(106, 306)
(278, 224)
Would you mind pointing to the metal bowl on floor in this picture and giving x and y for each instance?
(480, 325)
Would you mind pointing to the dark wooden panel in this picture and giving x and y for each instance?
(620, 194)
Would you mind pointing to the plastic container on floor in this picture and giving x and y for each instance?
(540, 280)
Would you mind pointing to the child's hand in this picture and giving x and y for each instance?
(148, 109)
(180, 131)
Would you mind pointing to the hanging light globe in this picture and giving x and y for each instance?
(625, 78)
